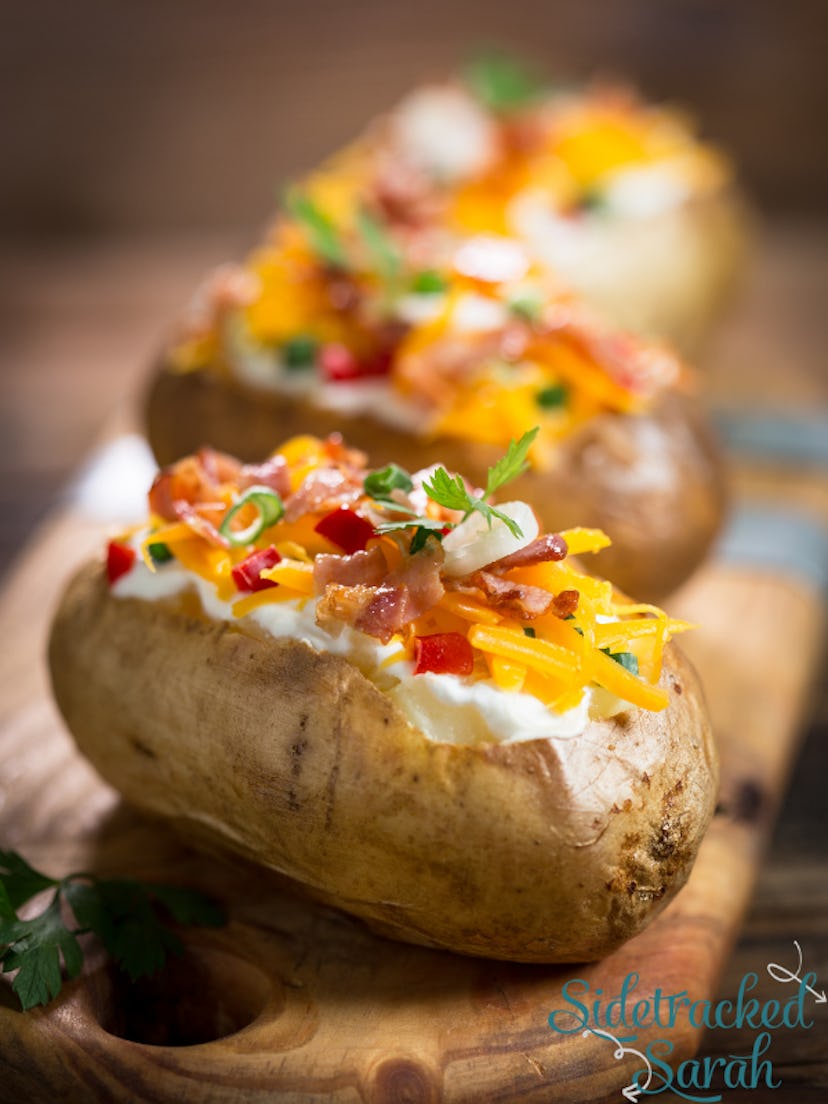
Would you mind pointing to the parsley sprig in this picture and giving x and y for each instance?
(127, 916)
(451, 491)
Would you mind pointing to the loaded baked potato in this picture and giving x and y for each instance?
(408, 701)
(449, 364)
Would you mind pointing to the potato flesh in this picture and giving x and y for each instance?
(540, 851)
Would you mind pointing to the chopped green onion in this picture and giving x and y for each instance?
(159, 552)
(551, 397)
(526, 307)
(270, 508)
(383, 249)
(626, 659)
(429, 282)
(380, 484)
(322, 234)
(593, 200)
(300, 352)
(529, 631)
(500, 82)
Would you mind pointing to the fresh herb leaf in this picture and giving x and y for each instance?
(322, 234)
(449, 491)
(421, 522)
(20, 880)
(513, 464)
(127, 916)
(551, 397)
(529, 631)
(379, 484)
(381, 247)
(421, 535)
(300, 352)
(500, 82)
(627, 660)
(429, 282)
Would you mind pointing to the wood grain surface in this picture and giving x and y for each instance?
(321, 1009)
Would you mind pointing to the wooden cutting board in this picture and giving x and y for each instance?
(295, 1002)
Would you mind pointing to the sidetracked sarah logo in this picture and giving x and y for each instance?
(619, 1018)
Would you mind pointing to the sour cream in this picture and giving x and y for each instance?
(446, 708)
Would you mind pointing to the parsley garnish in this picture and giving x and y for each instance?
(322, 234)
(300, 352)
(379, 484)
(127, 917)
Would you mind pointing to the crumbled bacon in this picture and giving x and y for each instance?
(367, 568)
(527, 602)
(551, 546)
(273, 473)
(408, 592)
(566, 603)
(324, 489)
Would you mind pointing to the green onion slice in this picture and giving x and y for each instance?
(270, 507)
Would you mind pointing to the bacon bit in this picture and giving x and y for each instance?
(218, 467)
(201, 525)
(389, 609)
(247, 574)
(381, 611)
(565, 603)
(323, 489)
(336, 450)
(528, 602)
(273, 473)
(366, 568)
(119, 560)
(551, 546)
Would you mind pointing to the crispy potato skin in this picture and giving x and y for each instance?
(653, 482)
(543, 851)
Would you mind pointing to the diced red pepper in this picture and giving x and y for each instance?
(247, 574)
(119, 559)
(443, 654)
(339, 365)
(345, 529)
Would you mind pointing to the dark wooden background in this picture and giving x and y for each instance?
(119, 114)
(142, 142)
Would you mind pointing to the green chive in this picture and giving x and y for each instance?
(270, 508)
(549, 398)
(526, 307)
(429, 283)
(159, 552)
(300, 352)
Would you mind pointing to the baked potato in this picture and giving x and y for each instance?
(402, 698)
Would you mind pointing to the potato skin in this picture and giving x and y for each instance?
(543, 851)
(668, 275)
(653, 481)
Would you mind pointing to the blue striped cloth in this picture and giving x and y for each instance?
(769, 534)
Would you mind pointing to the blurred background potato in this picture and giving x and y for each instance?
(127, 116)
